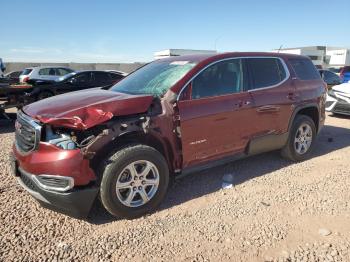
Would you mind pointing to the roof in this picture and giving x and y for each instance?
(47, 66)
(178, 52)
(203, 57)
(103, 71)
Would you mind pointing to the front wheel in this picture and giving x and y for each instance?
(134, 182)
(301, 139)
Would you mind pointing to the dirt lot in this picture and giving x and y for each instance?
(277, 210)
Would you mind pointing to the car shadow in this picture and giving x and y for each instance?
(205, 182)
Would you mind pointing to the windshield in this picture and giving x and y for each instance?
(155, 78)
(65, 77)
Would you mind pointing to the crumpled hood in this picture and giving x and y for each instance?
(344, 88)
(87, 108)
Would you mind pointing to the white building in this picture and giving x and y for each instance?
(337, 57)
(324, 56)
(180, 52)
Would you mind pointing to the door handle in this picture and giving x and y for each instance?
(268, 108)
(292, 96)
(240, 103)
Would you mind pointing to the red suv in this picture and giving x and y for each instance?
(171, 117)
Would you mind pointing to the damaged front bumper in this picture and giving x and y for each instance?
(75, 202)
(61, 180)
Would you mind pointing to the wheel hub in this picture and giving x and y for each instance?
(138, 183)
(303, 139)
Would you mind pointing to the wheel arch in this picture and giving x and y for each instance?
(137, 137)
(311, 110)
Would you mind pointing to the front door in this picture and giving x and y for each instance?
(212, 115)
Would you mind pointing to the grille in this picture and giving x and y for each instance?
(53, 181)
(27, 181)
(27, 133)
(345, 108)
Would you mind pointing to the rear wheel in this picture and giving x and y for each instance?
(134, 182)
(301, 139)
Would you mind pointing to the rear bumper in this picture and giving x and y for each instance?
(76, 202)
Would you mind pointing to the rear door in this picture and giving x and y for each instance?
(212, 111)
(272, 93)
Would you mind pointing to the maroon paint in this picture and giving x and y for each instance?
(226, 122)
(51, 160)
(88, 108)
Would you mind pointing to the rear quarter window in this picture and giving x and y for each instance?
(116, 77)
(304, 69)
(26, 71)
(266, 72)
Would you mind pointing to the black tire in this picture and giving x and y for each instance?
(44, 94)
(113, 170)
(289, 151)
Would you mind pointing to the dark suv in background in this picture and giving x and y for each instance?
(74, 81)
(171, 117)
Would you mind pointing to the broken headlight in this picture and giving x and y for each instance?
(62, 140)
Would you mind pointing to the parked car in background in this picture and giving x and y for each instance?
(345, 74)
(11, 78)
(117, 75)
(330, 78)
(42, 73)
(118, 72)
(171, 117)
(335, 70)
(74, 81)
(338, 99)
(14, 76)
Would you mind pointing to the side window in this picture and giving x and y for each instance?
(61, 71)
(304, 69)
(222, 78)
(116, 77)
(45, 72)
(331, 78)
(265, 72)
(102, 77)
(82, 78)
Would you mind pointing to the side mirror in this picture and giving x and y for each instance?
(72, 81)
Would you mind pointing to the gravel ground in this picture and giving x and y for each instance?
(276, 211)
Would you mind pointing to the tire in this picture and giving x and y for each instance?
(118, 170)
(44, 94)
(293, 150)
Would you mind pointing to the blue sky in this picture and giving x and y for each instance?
(129, 31)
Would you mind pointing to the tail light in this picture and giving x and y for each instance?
(26, 79)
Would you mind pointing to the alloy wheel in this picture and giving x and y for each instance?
(303, 139)
(137, 183)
